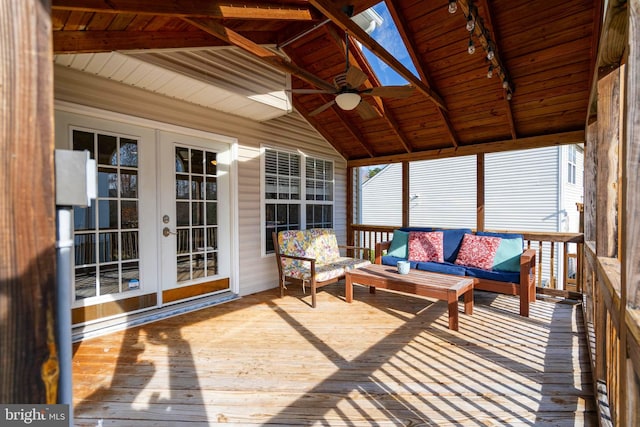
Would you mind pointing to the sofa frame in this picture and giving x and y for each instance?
(526, 289)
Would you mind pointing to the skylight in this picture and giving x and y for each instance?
(386, 33)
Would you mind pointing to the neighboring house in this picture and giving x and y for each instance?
(532, 190)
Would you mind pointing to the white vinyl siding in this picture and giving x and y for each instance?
(381, 197)
(443, 192)
(290, 132)
(521, 190)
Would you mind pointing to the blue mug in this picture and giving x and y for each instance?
(403, 267)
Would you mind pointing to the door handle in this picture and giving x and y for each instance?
(166, 232)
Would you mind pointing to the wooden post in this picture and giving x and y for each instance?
(406, 195)
(28, 361)
(607, 168)
(632, 143)
(480, 191)
(350, 197)
(590, 166)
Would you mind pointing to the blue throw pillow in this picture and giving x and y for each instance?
(508, 256)
(399, 245)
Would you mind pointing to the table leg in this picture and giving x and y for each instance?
(348, 288)
(453, 310)
(468, 301)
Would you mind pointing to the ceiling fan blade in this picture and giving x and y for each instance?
(322, 108)
(390, 91)
(355, 77)
(366, 111)
(310, 91)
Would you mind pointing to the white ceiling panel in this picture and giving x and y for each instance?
(224, 79)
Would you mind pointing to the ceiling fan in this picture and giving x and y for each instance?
(349, 97)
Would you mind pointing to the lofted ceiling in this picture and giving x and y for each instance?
(544, 49)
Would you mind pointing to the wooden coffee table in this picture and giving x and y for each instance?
(433, 285)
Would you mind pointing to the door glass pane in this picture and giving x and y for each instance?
(129, 184)
(196, 214)
(106, 257)
(128, 152)
(107, 150)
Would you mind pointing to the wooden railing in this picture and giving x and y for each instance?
(557, 253)
(613, 329)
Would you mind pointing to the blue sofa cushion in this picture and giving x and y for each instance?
(452, 241)
(399, 245)
(441, 267)
(393, 260)
(508, 255)
(500, 276)
(434, 267)
(408, 229)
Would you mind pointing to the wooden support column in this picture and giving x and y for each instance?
(351, 188)
(630, 227)
(406, 195)
(607, 169)
(28, 362)
(631, 178)
(590, 186)
(480, 192)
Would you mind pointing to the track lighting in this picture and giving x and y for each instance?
(471, 22)
(453, 6)
(490, 53)
(490, 72)
(471, 48)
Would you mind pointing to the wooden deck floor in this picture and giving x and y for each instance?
(385, 360)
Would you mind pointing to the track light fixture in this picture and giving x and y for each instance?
(475, 26)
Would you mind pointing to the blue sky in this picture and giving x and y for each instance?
(387, 35)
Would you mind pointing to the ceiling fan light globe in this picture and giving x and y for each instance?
(348, 101)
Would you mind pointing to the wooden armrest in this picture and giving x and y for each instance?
(528, 266)
(381, 246)
(366, 251)
(301, 258)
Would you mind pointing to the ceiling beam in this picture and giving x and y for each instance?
(229, 36)
(339, 18)
(494, 37)
(572, 137)
(320, 129)
(107, 41)
(387, 114)
(191, 9)
(409, 43)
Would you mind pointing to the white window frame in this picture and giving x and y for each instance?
(302, 202)
(572, 164)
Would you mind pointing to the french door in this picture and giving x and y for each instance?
(195, 216)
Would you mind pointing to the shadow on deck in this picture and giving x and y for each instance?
(386, 360)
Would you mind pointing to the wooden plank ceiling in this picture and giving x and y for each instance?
(544, 49)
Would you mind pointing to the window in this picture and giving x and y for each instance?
(298, 194)
(571, 164)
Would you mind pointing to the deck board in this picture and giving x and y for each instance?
(387, 359)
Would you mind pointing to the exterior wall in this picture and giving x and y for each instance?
(256, 272)
(381, 197)
(443, 192)
(572, 193)
(522, 190)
